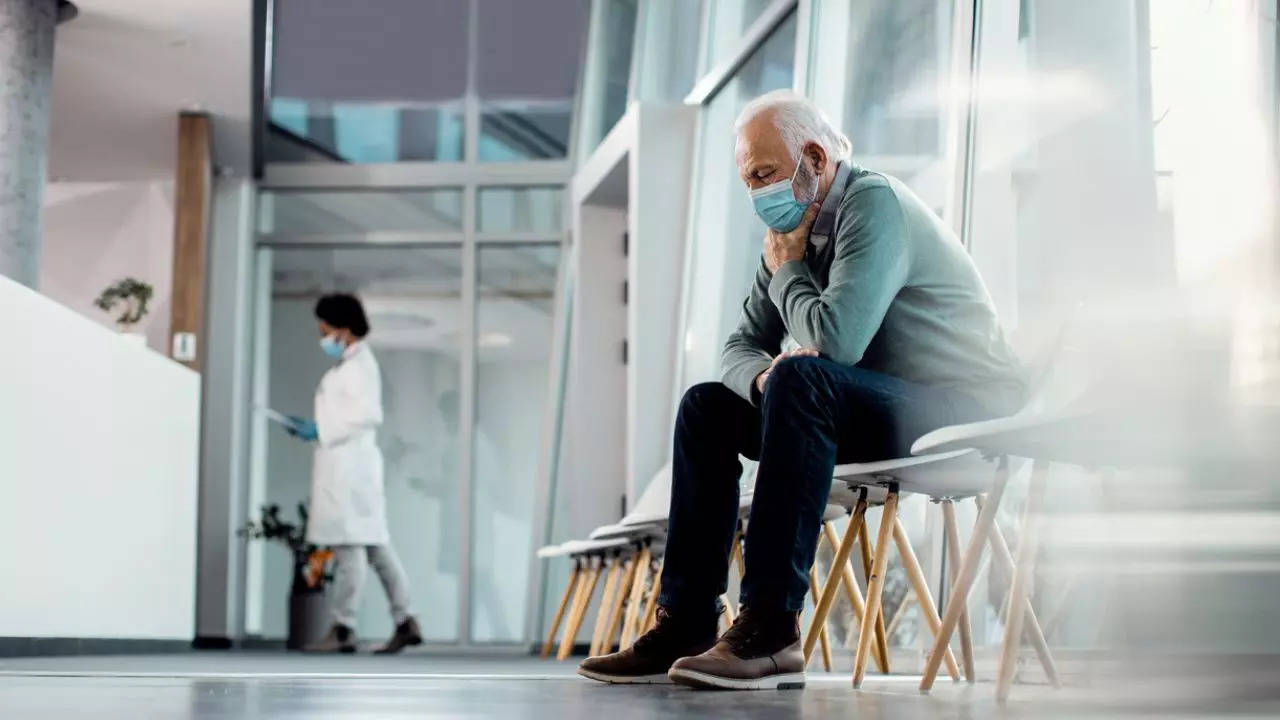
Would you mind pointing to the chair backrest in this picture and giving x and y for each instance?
(656, 497)
(1059, 374)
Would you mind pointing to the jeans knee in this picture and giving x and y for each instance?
(791, 375)
(702, 396)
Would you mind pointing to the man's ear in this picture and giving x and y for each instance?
(817, 157)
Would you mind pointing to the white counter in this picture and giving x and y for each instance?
(99, 447)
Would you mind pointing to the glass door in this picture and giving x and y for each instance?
(413, 297)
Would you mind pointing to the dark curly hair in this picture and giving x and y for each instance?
(343, 311)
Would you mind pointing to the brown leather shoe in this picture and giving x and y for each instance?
(406, 634)
(648, 660)
(761, 651)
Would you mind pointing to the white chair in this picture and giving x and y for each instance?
(590, 558)
(942, 476)
(943, 473)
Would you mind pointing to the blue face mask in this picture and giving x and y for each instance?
(332, 346)
(781, 205)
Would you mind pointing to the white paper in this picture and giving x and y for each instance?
(278, 417)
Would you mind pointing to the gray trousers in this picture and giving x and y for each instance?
(348, 581)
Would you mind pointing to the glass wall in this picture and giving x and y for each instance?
(725, 243)
(414, 303)
(475, 100)
(423, 80)
(523, 209)
(513, 347)
(349, 212)
(881, 72)
(726, 23)
(1124, 159)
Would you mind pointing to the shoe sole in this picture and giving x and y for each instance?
(411, 642)
(658, 679)
(701, 680)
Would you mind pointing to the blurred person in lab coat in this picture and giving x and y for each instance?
(348, 505)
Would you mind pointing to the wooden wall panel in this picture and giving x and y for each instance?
(193, 186)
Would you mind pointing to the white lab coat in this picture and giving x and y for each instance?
(348, 505)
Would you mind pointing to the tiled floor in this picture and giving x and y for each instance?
(275, 685)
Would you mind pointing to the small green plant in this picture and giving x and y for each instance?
(133, 294)
(311, 563)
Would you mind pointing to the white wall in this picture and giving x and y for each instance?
(98, 233)
(98, 473)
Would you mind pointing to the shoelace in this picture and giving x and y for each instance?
(744, 635)
(658, 636)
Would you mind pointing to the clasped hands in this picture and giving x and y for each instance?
(763, 377)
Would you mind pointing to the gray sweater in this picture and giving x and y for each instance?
(886, 286)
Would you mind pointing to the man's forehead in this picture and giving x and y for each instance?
(759, 142)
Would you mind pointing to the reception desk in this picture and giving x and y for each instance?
(99, 450)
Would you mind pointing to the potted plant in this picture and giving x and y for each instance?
(308, 608)
(132, 296)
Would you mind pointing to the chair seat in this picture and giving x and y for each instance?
(582, 547)
(622, 530)
(834, 512)
(957, 473)
(551, 551)
(988, 435)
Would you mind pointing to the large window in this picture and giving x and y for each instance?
(461, 456)
(384, 81)
(354, 212)
(881, 72)
(727, 235)
(513, 349)
(607, 79)
(414, 303)
(726, 23)
(1123, 157)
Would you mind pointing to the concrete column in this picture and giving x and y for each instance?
(26, 78)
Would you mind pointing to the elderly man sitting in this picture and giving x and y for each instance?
(867, 326)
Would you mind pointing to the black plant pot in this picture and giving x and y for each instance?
(309, 618)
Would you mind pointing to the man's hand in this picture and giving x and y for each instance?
(782, 247)
(763, 377)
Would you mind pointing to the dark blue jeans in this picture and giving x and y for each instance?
(814, 414)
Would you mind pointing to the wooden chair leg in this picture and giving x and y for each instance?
(635, 600)
(854, 592)
(953, 561)
(736, 554)
(875, 586)
(606, 604)
(823, 635)
(1024, 566)
(651, 605)
(727, 613)
(569, 587)
(965, 575)
(921, 586)
(588, 588)
(570, 622)
(615, 614)
(882, 636)
(822, 604)
(1000, 550)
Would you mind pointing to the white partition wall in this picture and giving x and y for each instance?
(630, 202)
(98, 470)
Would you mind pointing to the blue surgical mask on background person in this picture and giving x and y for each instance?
(781, 205)
(332, 346)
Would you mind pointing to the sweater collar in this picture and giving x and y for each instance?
(825, 223)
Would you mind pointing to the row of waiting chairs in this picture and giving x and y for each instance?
(956, 463)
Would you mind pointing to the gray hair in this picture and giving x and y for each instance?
(799, 121)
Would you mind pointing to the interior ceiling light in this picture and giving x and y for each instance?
(494, 340)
